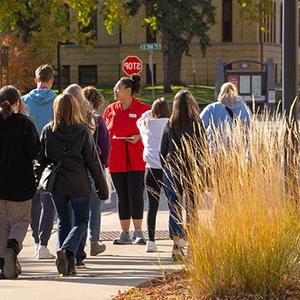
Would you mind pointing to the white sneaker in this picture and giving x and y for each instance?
(36, 249)
(151, 247)
(44, 253)
(183, 243)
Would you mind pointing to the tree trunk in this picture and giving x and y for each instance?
(175, 57)
(166, 59)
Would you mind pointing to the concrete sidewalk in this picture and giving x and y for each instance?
(118, 268)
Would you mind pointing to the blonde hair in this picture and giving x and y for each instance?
(228, 92)
(66, 111)
(84, 105)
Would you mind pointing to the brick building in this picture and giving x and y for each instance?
(232, 38)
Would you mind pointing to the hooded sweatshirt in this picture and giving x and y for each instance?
(39, 103)
(151, 132)
(215, 115)
(19, 146)
(74, 146)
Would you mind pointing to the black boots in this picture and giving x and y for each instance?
(9, 270)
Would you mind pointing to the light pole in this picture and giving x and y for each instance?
(290, 93)
(59, 69)
(4, 63)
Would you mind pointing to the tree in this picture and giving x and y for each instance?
(32, 28)
(179, 22)
(256, 11)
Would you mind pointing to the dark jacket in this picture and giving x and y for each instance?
(171, 143)
(72, 178)
(102, 141)
(19, 146)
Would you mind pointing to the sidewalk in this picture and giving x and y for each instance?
(118, 268)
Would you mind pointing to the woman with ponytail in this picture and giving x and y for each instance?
(126, 163)
(19, 146)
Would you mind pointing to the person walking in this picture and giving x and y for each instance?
(19, 146)
(102, 141)
(229, 107)
(184, 124)
(126, 163)
(39, 103)
(151, 125)
(68, 141)
(87, 110)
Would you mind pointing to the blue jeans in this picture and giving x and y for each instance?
(42, 218)
(174, 193)
(70, 235)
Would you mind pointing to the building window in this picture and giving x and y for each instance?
(281, 23)
(87, 75)
(65, 77)
(269, 23)
(148, 74)
(299, 27)
(91, 28)
(227, 21)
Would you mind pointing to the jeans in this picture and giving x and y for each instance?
(174, 193)
(94, 223)
(153, 180)
(42, 218)
(69, 236)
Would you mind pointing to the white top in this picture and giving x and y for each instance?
(151, 132)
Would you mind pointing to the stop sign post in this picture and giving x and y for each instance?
(132, 65)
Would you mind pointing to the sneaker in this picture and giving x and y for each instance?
(97, 248)
(80, 264)
(151, 247)
(62, 262)
(10, 260)
(138, 238)
(177, 253)
(44, 253)
(183, 243)
(18, 267)
(36, 249)
(124, 239)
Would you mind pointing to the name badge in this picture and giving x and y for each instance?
(132, 116)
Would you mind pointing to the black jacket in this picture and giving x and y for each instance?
(72, 178)
(171, 144)
(19, 146)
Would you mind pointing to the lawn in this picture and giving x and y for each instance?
(203, 94)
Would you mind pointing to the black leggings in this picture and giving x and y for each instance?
(130, 190)
(153, 186)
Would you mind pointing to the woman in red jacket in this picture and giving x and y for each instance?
(126, 163)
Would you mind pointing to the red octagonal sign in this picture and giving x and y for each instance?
(132, 65)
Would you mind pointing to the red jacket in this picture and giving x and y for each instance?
(121, 122)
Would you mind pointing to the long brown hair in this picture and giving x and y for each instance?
(185, 110)
(160, 109)
(9, 95)
(66, 111)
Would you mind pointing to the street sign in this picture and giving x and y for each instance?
(148, 47)
(132, 65)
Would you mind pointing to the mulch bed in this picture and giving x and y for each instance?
(177, 286)
(172, 286)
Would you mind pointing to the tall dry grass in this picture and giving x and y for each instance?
(250, 239)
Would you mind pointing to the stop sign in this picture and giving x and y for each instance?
(132, 65)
